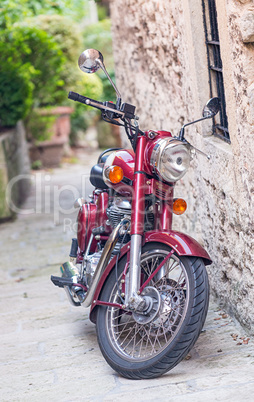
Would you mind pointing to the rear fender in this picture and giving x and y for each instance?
(183, 245)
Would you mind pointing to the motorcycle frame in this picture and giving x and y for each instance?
(92, 214)
(181, 244)
(89, 236)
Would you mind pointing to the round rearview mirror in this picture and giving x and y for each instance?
(212, 107)
(90, 61)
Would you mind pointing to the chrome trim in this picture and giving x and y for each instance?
(70, 297)
(177, 154)
(102, 66)
(88, 247)
(133, 300)
(79, 202)
(90, 102)
(85, 256)
(122, 202)
(69, 270)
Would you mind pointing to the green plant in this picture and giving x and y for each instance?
(43, 60)
(15, 93)
(103, 12)
(41, 49)
(12, 11)
(36, 165)
(67, 38)
(98, 36)
(40, 126)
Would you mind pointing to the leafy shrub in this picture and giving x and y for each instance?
(14, 11)
(40, 126)
(67, 38)
(41, 50)
(30, 66)
(15, 93)
(103, 11)
(98, 36)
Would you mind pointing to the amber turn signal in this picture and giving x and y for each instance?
(115, 174)
(179, 206)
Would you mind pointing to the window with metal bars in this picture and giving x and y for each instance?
(220, 122)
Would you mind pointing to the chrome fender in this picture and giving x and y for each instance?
(183, 245)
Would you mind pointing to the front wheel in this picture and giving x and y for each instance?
(140, 350)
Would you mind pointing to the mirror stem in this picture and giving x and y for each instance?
(110, 80)
(181, 134)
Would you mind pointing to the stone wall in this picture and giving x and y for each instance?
(14, 168)
(161, 67)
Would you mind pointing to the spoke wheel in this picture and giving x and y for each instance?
(140, 349)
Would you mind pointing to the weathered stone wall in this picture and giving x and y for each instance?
(14, 170)
(161, 67)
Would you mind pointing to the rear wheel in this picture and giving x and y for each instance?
(140, 349)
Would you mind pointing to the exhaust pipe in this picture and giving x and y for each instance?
(71, 274)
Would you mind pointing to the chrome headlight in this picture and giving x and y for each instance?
(170, 159)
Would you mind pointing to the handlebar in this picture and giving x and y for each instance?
(91, 102)
(126, 113)
(83, 99)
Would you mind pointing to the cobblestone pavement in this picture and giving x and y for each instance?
(48, 347)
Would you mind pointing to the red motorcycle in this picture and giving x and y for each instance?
(145, 282)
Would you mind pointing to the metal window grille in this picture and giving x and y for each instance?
(220, 123)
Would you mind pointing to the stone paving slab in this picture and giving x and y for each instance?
(49, 349)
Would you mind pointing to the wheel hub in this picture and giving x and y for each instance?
(152, 306)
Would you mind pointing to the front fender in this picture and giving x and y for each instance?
(183, 245)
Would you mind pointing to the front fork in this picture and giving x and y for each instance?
(134, 300)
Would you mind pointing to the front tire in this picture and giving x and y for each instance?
(142, 351)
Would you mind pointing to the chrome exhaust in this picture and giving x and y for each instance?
(71, 274)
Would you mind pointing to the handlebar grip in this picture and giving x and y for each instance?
(73, 96)
(82, 99)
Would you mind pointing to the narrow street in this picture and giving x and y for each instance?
(49, 350)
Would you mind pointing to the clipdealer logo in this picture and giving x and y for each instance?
(48, 197)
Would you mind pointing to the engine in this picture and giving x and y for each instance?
(90, 266)
(121, 208)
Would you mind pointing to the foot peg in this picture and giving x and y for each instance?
(61, 282)
(73, 290)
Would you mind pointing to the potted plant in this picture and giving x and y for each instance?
(48, 124)
(48, 132)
